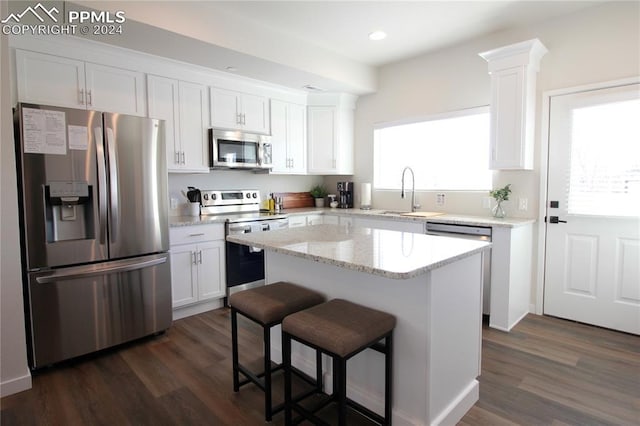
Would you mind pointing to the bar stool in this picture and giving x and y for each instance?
(266, 306)
(340, 329)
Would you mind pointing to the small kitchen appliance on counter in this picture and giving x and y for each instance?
(245, 265)
(345, 195)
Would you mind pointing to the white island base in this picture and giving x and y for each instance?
(437, 340)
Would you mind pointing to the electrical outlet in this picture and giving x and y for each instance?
(486, 202)
(523, 204)
(440, 200)
(174, 203)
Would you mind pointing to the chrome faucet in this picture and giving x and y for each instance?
(414, 206)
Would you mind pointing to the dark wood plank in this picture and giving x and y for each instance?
(547, 371)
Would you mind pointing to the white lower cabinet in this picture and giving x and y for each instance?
(197, 264)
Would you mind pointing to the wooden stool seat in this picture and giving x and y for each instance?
(266, 306)
(339, 329)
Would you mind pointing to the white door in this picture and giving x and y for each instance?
(279, 153)
(183, 274)
(592, 270)
(296, 138)
(225, 109)
(114, 89)
(211, 278)
(193, 126)
(50, 80)
(162, 97)
(255, 114)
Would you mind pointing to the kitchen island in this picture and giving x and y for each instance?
(431, 284)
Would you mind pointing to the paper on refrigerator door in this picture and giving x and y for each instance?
(44, 131)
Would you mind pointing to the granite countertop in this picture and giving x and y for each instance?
(456, 219)
(392, 254)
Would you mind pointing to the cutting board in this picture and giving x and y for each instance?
(293, 200)
(423, 214)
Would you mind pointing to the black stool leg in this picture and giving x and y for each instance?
(341, 388)
(388, 378)
(234, 350)
(319, 371)
(286, 362)
(267, 373)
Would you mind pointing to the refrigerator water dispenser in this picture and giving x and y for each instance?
(69, 211)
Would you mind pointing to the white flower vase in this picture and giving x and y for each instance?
(498, 210)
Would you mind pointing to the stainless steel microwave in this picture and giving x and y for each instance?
(233, 149)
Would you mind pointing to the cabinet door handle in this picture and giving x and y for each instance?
(244, 119)
(89, 98)
(81, 96)
(238, 118)
(200, 257)
(176, 157)
(193, 258)
(183, 158)
(199, 234)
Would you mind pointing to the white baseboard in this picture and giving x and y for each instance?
(198, 308)
(459, 407)
(19, 384)
(372, 401)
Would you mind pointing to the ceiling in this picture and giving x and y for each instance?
(320, 43)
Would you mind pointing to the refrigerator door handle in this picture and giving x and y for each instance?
(113, 184)
(92, 270)
(102, 184)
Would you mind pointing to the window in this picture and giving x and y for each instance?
(446, 152)
(605, 159)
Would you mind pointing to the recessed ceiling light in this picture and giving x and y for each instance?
(377, 35)
(232, 69)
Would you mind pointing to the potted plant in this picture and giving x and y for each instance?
(500, 195)
(319, 192)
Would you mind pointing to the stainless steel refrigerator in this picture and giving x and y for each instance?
(94, 224)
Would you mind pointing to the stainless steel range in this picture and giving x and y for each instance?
(245, 265)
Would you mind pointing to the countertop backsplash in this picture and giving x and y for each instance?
(235, 179)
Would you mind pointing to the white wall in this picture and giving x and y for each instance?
(598, 44)
(14, 372)
(235, 179)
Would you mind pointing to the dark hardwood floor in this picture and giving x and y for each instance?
(547, 371)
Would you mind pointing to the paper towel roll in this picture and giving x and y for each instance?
(365, 196)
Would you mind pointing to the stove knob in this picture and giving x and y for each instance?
(214, 197)
(205, 196)
(255, 195)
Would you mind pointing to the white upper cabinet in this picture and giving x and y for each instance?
(183, 106)
(513, 72)
(330, 134)
(288, 138)
(53, 80)
(239, 111)
(194, 124)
